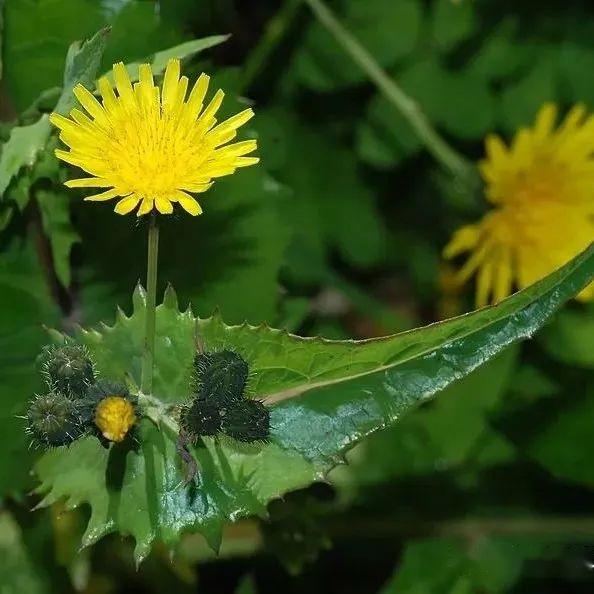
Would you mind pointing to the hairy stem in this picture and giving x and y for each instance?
(439, 148)
(148, 356)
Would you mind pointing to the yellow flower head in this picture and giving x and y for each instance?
(151, 146)
(114, 416)
(542, 188)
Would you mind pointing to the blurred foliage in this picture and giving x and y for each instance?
(339, 232)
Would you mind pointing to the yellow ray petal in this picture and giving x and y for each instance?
(163, 205)
(463, 240)
(196, 188)
(234, 122)
(107, 195)
(197, 94)
(484, 283)
(213, 106)
(145, 75)
(88, 182)
(237, 149)
(93, 107)
(245, 161)
(123, 84)
(127, 204)
(109, 99)
(145, 206)
(170, 82)
(545, 120)
(186, 201)
(182, 88)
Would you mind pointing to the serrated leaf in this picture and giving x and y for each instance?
(82, 64)
(26, 142)
(22, 149)
(324, 396)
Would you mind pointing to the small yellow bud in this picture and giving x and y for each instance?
(114, 416)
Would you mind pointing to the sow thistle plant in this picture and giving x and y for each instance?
(216, 421)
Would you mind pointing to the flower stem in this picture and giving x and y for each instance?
(148, 356)
(449, 158)
(273, 35)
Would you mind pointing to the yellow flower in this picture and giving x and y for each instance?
(114, 416)
(149, 146)
(542, 188)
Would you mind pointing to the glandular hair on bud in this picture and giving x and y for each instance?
(68, 369)
(220, 376)
(246, 421)
(54, 419)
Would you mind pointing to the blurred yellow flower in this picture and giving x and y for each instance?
(151, 146)
(542, 188)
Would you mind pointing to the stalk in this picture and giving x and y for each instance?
(449, 158)
(148, 355)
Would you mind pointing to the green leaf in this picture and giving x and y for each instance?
(1, 33)
(384, 136)
(502, 54)
(37, 36)
(464, 107)
(491, 565)
(452, 23)
(21, 150)
(25, 304)
(26, 142)
(324, 396)
(328, 195)
(570, 337)
(55, 216)
(137, 30)
(18, 573)
(566, 446)
(182, 51)
(388, 30)
(423, 442)
(520, 102)
(572, 62)
(186, 50)
(82, 65)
